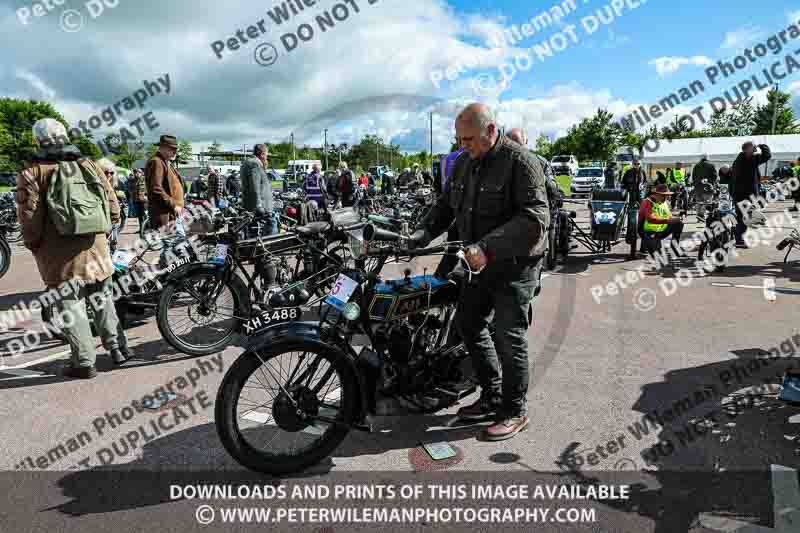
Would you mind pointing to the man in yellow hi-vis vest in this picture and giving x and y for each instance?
(657, 222)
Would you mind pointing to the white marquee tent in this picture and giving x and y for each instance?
(720, 150)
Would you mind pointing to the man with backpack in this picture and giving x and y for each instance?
(66, 207)
(164, 187)
(347, 186)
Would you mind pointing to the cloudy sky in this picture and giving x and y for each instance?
(382, 66)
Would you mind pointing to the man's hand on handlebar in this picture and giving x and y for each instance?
(475, 257)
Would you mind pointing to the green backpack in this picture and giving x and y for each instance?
(76, 200)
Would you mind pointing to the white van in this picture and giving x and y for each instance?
(564, 165)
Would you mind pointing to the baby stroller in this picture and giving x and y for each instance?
(609, 213)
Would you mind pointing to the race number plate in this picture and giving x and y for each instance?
(220, 253)
(122, 258)
(267, 319)
(341, 292)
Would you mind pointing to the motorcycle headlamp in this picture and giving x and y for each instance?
(351, 311)
(358, 246)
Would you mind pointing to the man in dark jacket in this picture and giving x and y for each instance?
(703, 171)
(746, 179)
(233, 185)
(347, 186)
(257, 185)
(497, 200)
(632, 181)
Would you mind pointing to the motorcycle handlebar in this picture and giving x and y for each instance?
(446, 248)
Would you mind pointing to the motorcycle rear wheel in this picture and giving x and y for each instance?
(5, 257)
(291, 406)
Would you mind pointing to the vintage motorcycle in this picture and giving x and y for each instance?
(5, 254)
(720, 209)
(317, 386)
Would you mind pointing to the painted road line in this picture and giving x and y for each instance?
(786, 503)
(24, 374)
(53, 357)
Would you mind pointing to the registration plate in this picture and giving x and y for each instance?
(342, 291)
(122, 258)
(267, 319)
(220, 253)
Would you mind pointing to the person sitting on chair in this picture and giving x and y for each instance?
(656, 222)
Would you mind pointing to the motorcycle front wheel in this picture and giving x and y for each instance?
(5, 257)
(200, 314)
(287, 406)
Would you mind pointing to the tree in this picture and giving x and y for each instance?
(777, 107)
(17, 118)
(544, 147)
(184, 154)
(129, 153)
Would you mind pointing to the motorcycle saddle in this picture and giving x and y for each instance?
(313, 228)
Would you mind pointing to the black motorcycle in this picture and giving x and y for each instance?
(9, 225)
(719, 227)
(5, 254)
(205, 304)
(289, 400)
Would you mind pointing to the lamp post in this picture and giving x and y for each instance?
(326, 150)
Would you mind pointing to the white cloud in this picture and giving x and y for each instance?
(793, 16)
(671, 64)
(737, 39)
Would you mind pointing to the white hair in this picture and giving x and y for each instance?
(343, 165)
(50, 132)
(107, 164)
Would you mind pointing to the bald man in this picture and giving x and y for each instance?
(497, 201)
(519, 136)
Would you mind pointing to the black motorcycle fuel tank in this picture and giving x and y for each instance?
(400, 298)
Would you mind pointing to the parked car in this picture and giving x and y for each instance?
(565, 165)
(587, 179)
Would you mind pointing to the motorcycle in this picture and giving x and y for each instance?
(721, 234)
(9, 226)
(139, 298)
(317, 387)
(205, 304)
(5, 255)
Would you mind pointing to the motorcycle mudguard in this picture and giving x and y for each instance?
(309, 332)
(191, 268)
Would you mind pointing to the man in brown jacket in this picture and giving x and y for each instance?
(79, 265)
(164, 187)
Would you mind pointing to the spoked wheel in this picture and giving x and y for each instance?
(563, 235)
(199, 314)
(5, 257)
(286, 407)
(13, 232)
(551, 246)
